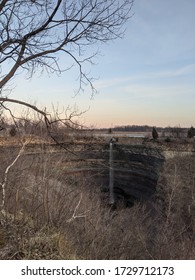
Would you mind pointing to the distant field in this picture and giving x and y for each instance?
(123, 134)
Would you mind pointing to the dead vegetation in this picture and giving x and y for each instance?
(50, 214)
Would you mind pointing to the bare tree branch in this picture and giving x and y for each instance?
(75, 215)
(10, 100)
(3, 184)
(67, 121)
(33, 33)
(2, 4)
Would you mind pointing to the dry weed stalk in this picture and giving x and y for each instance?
(4, 183)
(172, 195)
(75, 215)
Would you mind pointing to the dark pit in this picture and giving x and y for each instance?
(136, 169)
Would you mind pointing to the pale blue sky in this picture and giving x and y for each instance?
(148, 77)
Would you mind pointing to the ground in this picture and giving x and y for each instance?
(52, 213)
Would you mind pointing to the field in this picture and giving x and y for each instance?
(50, 212)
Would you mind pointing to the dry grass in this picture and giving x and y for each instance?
(49, 215)
(19, 240)
(17, 140)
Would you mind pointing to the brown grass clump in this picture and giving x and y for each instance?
(19, 240)
(51, 213)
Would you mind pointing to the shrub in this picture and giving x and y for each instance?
(191, 132)
(154, 133)
(168, 140)
(13, 131)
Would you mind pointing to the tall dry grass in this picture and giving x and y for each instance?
(51, 213)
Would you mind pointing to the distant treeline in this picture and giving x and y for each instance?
(147, 128)
(135, 128)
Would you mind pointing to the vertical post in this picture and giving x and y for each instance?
(111, 174)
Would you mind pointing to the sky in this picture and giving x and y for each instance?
(145, 78)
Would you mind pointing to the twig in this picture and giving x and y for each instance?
(3, 184)
(75, 216)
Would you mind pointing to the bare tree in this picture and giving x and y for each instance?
(34, 33)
